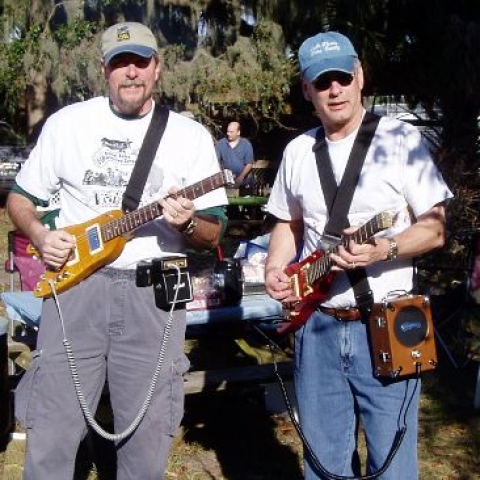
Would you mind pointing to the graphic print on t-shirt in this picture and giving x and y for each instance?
(110, 172)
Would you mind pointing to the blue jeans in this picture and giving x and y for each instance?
(336, 391)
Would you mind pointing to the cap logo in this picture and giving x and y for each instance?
(123, 34)
(319, 48)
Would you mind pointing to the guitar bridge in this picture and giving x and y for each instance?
(295, 285)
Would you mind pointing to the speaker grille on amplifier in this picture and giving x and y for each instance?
(402, 336)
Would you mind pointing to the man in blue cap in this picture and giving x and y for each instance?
(336, 385)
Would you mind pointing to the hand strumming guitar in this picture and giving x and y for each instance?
(55, 247)
(279, 285)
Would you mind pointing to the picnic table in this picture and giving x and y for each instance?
(249, 201)
(246, 213)
(25, 307)
(257, 309)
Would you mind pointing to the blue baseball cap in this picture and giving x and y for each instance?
(128, 37)
(326, 52)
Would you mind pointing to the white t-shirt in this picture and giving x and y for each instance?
(87, 153)
(398, 175)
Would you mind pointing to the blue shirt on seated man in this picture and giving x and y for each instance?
(236, 153)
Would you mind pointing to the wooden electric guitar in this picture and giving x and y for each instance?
(311, 278)
(101, 240)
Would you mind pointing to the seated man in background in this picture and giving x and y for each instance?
(236, 153)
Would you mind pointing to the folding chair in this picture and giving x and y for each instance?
(21, 262)
(263, 176)
(23, 310)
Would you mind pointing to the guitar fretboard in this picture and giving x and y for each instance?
(322, 266)
(132, 220)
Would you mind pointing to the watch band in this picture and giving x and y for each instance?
(190, 228)
(392, 253)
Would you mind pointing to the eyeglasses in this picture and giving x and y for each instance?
(324, 82)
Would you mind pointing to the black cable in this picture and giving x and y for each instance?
(317, 465)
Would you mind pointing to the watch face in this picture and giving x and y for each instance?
(190, 227)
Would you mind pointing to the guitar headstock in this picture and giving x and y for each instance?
(378, 223)
(228, 177)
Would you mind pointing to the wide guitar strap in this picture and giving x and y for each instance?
(151, 141)
(338, 199)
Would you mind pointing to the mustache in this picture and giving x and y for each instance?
(130, 83)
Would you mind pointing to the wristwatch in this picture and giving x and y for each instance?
(190, 227)
(392, 253)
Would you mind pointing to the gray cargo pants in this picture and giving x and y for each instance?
(115, 329)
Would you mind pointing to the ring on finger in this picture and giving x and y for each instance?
(352, 265)
(174, 214)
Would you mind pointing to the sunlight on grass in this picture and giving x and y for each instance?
(191, 461)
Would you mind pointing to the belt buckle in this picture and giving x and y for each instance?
(339, 317)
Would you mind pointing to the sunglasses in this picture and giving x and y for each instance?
(323, 82)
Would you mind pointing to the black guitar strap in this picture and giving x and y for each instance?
(134, 190)
(338, 198)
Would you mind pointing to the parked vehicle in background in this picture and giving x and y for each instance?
(429, 127)
(11, 159)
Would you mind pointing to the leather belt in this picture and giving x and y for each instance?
(342, 314)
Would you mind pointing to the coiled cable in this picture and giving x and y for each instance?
(89, 417)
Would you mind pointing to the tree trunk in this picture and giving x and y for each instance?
(37, 90)
(37, 102)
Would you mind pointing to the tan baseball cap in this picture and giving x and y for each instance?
(128, 37)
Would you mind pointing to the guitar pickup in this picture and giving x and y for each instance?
(94, 239)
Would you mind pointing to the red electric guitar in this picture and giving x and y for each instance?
(311, 278)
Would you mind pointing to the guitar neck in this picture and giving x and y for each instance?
(132, 220)
(364, 232)
(322, 266)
